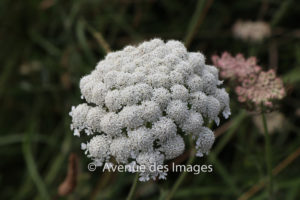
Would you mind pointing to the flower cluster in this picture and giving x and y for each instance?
(253, 84)
(252, 31)
(235, 67)
(142, 100)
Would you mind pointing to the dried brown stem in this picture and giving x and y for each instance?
(261, 184)
(69, 184)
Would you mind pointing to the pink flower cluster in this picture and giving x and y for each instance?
(253, 84)
(235, 67)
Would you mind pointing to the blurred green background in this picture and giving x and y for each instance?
(47, 45)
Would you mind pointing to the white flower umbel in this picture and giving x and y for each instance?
(142, 101)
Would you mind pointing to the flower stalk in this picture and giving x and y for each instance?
(184, 173)
(133, 187)
(268, 153)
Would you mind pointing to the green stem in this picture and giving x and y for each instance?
(133, 187)
(285, 5)
(183, 174)
(194, 22)
(268, 153)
